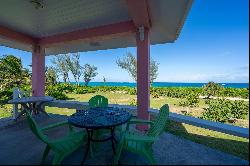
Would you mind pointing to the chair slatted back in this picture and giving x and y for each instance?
(159, 123)
(98, 101)
(35, 129)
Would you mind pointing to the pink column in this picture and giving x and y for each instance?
(143, 76)
(38, 71)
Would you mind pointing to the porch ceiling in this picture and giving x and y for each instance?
(63, 16)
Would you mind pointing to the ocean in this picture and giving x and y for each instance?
(166, 84)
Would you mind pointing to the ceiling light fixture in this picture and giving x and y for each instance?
(37, 3)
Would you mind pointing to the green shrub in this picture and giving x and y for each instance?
(133, 102)
(155, 95)
(5, 111)
(65, 87)
(174, 92)
(222, 110)
(56, 92)
(239, 109)
(191, 100)
(57, 95)
(90, 90)
(6, 94)
(80, 90)
(212, 89)
(131, 91)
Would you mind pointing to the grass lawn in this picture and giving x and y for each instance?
(231, 144)
(224, 142)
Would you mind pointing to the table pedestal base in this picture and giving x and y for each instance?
(90, 139)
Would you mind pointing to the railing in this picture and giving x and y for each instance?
(224, 128)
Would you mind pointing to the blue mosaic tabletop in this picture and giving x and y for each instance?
(99, 117)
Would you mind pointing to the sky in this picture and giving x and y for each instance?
(212, 46)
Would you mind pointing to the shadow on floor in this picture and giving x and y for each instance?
(234, 147)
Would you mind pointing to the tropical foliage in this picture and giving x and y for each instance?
(191, 100)
(12, 74)
(65, 63)
(74, 66)
(211, 89)
(221, 110)
(56, 92)
(61, 65)
(51, 75)
(89, 72)
(129, 63)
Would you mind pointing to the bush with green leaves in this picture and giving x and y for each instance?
(80, 90)
(6, 94)
(174, 92)
(133, 102)
(5, 111)
(57, 95)
(65, 87)
(155, 95)
(234, 92)
(56, 92)
(191, 100)
(212, 89)
(131, 91)
(221, 110)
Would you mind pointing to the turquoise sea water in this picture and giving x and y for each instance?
(166, 84)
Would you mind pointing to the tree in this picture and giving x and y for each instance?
(61, 65)
(51, 75)
(129, 63)
(73, 63)
(211, 89)
(12, 72)
(89, 72)
(153, 70)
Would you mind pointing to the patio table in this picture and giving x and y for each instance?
(31, 103)
(99, 118)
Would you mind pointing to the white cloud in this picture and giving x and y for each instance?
(201, 77)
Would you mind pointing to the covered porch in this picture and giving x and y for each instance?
(55, 27)
(168, 150)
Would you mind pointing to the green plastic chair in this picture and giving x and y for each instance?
(98, 101)
(61, 147)
(142, 144)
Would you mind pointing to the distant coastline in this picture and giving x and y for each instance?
(166, 84)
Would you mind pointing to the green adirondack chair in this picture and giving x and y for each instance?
(142, 144)
(98, 101)
(61, 147)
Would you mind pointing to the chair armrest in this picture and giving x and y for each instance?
(140, 138)
(138, 121)
(54, 125)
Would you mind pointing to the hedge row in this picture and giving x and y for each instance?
(59, 91)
